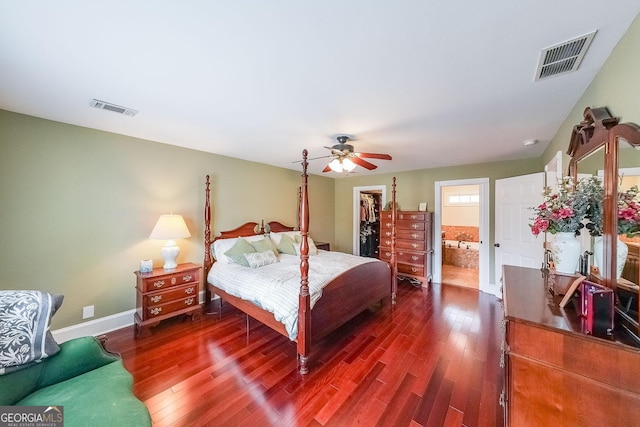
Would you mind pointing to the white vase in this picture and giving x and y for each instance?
(565, 250)
(622, 251)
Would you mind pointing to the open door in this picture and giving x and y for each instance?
(514, 243)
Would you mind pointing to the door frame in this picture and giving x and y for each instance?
(483, 230)
(356, 211)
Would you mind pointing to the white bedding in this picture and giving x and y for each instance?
(276, 287)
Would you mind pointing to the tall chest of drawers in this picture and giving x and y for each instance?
(414, 243)
(163, 294)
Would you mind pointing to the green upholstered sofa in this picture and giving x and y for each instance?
(90, 384)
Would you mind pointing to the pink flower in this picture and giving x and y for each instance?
(539, 226)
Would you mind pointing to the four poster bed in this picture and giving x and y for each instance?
(301, 306)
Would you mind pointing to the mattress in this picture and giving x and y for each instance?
(276, 287)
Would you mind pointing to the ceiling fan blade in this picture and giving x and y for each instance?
(326, 169)
(358, 161)
(374, 156)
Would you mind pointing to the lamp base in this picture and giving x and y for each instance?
(170, 252)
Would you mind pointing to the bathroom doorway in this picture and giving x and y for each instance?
(461, 227)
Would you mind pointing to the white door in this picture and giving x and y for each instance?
(514, 243)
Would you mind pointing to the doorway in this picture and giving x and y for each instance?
(461, 227)
(368, 202)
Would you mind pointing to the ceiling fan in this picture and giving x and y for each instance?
(345, 159)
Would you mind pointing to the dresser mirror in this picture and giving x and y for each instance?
(600, 143)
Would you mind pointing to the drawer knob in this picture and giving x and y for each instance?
(387, 253)
(173, 280)
(156, 298)
(415, 258)
(413, 269)
(388, 242)
(158, 284)
(415, 235)
(388, 224)
(156, 310)
(388, 233)
(189, 301)
(413, 217)
(415, 226)
(189, 291)
(187, 278)
(415, 245)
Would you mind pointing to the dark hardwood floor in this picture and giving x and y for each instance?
(433, 360)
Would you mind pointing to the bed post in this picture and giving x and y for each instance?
(392, 260)
(304, 300)
(208, 261)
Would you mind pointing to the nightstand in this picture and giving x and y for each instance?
(162, 294)
(323, 245)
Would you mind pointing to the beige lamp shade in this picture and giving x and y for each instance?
(170, 227)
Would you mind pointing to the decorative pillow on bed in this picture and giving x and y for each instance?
(313, 250)
(220, 246)
(260, 259)
(264, 244)
(277, 236)
(25, 318)
(238, 250)
(286, 245)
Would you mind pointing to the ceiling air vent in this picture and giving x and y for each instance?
(564, 57)
(113, 107)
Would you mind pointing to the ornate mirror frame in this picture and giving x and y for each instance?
(600, 129)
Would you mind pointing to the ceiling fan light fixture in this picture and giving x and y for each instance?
(348, 165)
(336, 165)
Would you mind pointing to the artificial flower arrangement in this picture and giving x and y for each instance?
(566, 210)
(559, 212)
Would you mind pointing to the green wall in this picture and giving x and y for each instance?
(418, 186)
(616, 86)
(78, 206)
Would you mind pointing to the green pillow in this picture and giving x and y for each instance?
(286, 245)
(237, 251)
(263, 245)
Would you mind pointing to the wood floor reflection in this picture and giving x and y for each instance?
(432, 360)
(460, 276)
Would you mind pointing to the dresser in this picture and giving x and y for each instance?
(555, 374)
(414, 243)
(162, 294)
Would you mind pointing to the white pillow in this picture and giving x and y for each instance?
(220, 246)
(276, 237)
(260, 259)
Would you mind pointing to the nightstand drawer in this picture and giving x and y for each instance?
(154, 298)
(157, 283)
(170, 307)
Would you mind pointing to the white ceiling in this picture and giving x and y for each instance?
(433, 83)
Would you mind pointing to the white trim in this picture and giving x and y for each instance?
(95, 327)
(102, 325)
(356, 211)
(483, 261)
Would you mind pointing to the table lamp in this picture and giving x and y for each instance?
(170, 227)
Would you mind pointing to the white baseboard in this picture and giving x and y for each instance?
(95, 327)
(100, 326)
